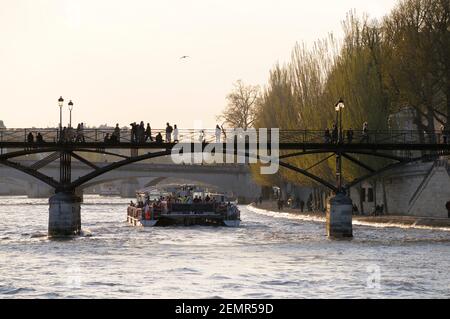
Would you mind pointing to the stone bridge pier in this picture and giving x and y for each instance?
(339, 216)
(64, 215)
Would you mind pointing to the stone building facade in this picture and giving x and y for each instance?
(418, 189)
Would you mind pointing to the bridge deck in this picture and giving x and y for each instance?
(288, 140)
(97, 136)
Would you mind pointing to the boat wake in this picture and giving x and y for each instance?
(322, 219)
(317, 219)
(399, 225)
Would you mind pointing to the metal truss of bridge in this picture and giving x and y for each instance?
(14, 145)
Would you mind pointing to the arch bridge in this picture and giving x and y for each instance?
(15, 144)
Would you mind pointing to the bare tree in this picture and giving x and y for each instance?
(241, 109)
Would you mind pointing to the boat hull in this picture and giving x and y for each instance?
(188, 220)
(205, 214)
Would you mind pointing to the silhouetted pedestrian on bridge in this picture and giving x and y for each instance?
(148, 133)
(112, 138)
(365, 133)
(218, 133)
(71, 134)
(80, 133)
(141, 132)
(133, 132)
(350, 136)
(334, 134)
(175, 134)
(30, 138)
(116, 133)
(159, 138)
(64, 134)
(39, 138)
(169, 130)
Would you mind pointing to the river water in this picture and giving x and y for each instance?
(269, 256)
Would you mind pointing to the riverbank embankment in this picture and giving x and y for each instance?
(385, 220)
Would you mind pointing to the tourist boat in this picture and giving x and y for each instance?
(210, 210)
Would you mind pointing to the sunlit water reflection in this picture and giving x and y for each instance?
(269, 256)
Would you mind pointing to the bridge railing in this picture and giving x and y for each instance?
(52, 135)
(21, 135)
(372, 137)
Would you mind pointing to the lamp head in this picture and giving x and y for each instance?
(60, 101)
(339, 105)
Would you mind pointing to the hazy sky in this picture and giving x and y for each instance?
(119, 59)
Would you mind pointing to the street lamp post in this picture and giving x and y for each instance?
(339, 107)
(339, 211)
(70, 111)
(60, 104)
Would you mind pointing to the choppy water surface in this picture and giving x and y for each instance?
(270, 256)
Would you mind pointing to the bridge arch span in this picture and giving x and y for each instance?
(237, 179)
(125, 160)
(131, 160)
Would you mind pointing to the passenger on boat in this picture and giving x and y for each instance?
(207, 199)
(146, 211)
